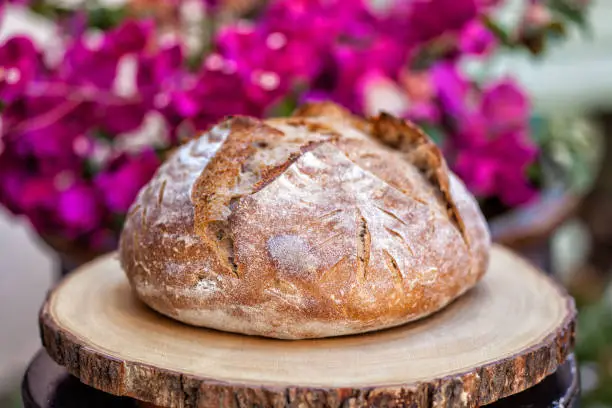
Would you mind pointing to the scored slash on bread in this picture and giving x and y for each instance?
(320, 224)
(422, 153)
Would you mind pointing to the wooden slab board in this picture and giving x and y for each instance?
(504, 336)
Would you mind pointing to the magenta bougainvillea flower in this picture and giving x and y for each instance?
(505, 106)
(18, 66)
(427, 20)
(70, 156)
(497, 167)
(476, 39)
(122, 178)
(492, 149)
(79, 208)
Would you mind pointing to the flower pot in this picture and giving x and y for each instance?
(528, 230)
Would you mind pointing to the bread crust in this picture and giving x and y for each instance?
(317, 225)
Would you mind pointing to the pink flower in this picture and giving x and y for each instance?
(214, 95)
(418, 85)
(505, 106)
(86, 65)
(160, 78)
(93, 61)
(269, 62)
(37, 192)
(536, 15)
(79, 208)
(129, 38)
(211, 4)
(123, 177)
(37, 200)
(498, 168)
(315, 21)
(18, 66)
(122, 117)
(323, 46)
(159, 72)
(488, 144)
(54, 122)
(476, 39)
(350, 67)
(432, 18)
(452, 88)
(490, 3)
(493, 147)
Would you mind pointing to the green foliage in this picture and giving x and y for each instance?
(594, 347)
(105, 18)
(98, 16)
(571, 11)
(434, 132)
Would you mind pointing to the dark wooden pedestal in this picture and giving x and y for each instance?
(47, 385)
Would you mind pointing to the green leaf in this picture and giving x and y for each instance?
(570, 11)
(98, 16)
(101, 134)
(435, 133)
(117, 221)
(539, 131)
(105, 18)
(90, 169)
(194, 61)
(594, 331)
(284, 107)
(47, 10)
(498, 31)
(534, 174)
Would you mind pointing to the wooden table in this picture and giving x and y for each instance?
(47, 385)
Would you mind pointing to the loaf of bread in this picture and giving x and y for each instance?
(320, 224)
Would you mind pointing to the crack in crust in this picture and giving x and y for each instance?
(364, 245)
(253, 155)
(329, 214)
(162, 189)
(400, 238)
(391, 214)
(225, 245)
(134, 210)
(423, 154)
(272, 173)
(393, 267)
(144, 218)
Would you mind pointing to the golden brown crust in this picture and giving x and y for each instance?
(423, 154)
(304, 227)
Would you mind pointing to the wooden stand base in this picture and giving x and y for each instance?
(47, 385)
(503, 337)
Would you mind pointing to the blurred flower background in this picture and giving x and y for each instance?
(88, 118)
(89, 113)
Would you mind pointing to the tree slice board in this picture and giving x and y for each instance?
(47, 385)
(502, 337)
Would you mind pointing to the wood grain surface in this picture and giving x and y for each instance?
(504, 336)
